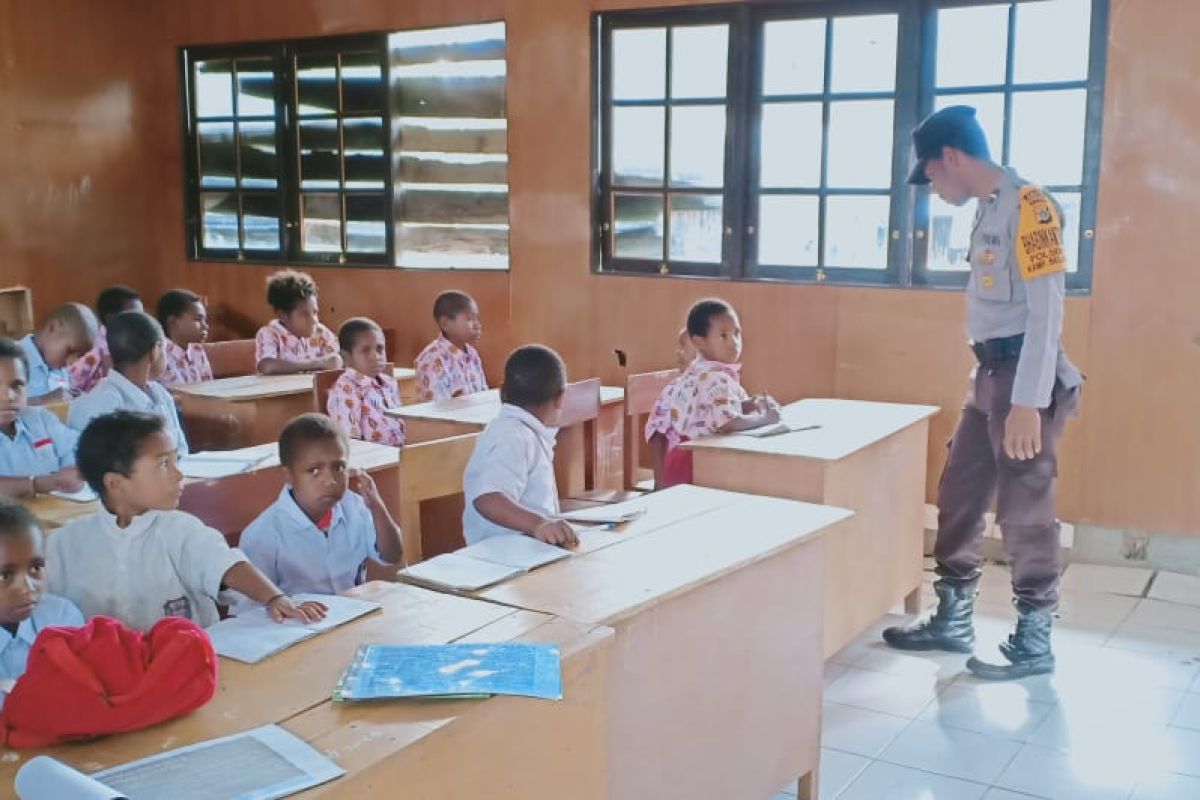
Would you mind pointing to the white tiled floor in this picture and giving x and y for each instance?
(1120, 719)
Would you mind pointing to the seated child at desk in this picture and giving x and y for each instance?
(184, 321)
(317, 536)
(707, 397)
(360, 395)
(37, 451)
(68, 333)
(87, 371)
(135, 341)
(450, 365)
(509, 481)
(25, 609)
(295, 341)
(139, 559)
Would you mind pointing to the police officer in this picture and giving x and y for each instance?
(1022, 392)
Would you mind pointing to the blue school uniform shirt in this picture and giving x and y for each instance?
(41, 445)
(299, 557)
(118, 392)
(50, 611)
(43, 378)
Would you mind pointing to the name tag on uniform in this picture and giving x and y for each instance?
(40, 443)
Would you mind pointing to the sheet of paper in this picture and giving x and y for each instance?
(392, 671)
(612, 514)
(778, 429)
(84, 495)
(46, 778)
(260, 764)
(253, 635)
(515, 550)
(455, 571)
(339, 611)
(218, 465)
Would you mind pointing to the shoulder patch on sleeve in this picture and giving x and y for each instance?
(1039, 235)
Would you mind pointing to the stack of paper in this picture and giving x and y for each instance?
(614, 514)
(84, 495)
(494, 559)
(253, 635)
(220, 464)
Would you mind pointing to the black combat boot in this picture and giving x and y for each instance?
(1027, 649)
(950, 626)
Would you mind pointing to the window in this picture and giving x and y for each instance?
(372, 150)
(773, 143)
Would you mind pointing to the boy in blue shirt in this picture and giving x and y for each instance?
(68, 333)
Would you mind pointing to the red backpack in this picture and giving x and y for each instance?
(107, 678)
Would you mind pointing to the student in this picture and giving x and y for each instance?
(184, 321)
(317, 536)
(138, 559)
(25, 608)
(509, 481)
(450, 366)
(707, 397)
(295, 341)
(360, 395)
(135, 341)
(87, 371)
(68, 333)
(37, 452)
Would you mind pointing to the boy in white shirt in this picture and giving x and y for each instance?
(317, 536)
(509, 482)
(139, 559)
(135, 343)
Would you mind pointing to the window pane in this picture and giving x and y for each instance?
(791, 145)
(864, 54)
(362, 84)
(366, 216)
(696, 225)
(261, 221)
(319, 154)
(989, 110)
(638, 146)
(699, 56)
(260, 167)
(794, 57)
(638, 230)
(218, 164)
(860, 144)
(856, 232)
(639, 64)
(1052, 41)
(256, 88)
(1047, 135)
(1070, 203)
(366, 167)
(316, 85)
(949, 235)
(972, 45)
(219, 220)
(214, 89)
(320, 224)
(787, 230)
(698, 146)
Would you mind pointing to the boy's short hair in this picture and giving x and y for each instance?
(13, 350)
(533, 376)
(132, 335)
(174, 303)
(112, 301)
(353, 328)
(78, 319)
(700, 316)
(112, 443)
(451, 304)
(288, 287)
(307, 428)
(16, 519)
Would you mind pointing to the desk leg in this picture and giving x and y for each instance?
(806, 788)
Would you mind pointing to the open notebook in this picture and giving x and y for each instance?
(252, 635)
(492, 560)
(220, 464)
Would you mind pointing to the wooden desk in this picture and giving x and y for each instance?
(868, 457)
(715, 683)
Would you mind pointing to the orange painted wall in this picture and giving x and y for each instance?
(1131, 460)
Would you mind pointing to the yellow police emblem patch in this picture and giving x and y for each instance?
(1039, 235)
(988, 281)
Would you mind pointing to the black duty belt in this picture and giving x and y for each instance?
(998, 351)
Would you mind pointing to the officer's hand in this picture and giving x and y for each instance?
(1023, 433)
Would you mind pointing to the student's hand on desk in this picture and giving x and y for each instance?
(557, 532)
(66, 479)
(363, 484)
(282, 607)
(771, 414)
(329, 362)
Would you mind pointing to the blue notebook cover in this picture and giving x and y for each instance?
(381, 671)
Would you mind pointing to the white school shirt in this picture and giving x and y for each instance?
(41, 445)
(118, 392)
(50, 611)
(514, 456)
(165, 564)
(293, 552)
